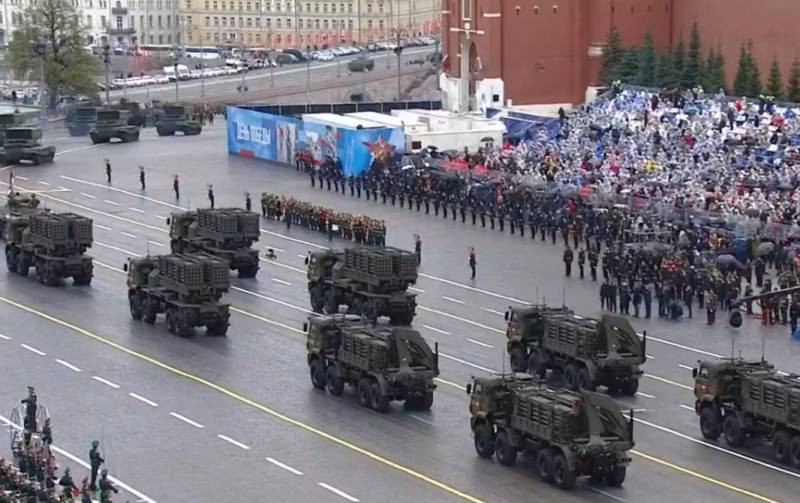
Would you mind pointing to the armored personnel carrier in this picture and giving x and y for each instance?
(9, 121)
(588, 352)
(743, 400)
(24, 144)
(372, 282)
(188, 288)
(175, 118)
(227, 233)
(568, 434)
(381, 362)
(81, 120)
(113, 123)
(18, 206)
(54, 244)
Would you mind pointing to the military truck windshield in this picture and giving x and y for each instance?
(19, 134)
(108, 115)
(85, 113)
(8, 119)
(173, 111)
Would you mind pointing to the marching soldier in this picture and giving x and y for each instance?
(581, 261)
(95, 460)
(211, 195)
(106, 487)
(248, 203)
(593, 263)
(568, 256)
(176, 187)
(141, 177)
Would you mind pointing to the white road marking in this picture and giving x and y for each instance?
(112, 203)
(21, 177)
(76, 150)
(687, 407)
(275, 248)
(493, 311)
(451, 299)
(282, 282)
(434, 329)
(265, 297)
(479, 343)
(465, 362)
(186, 420)
(639, 410)
(473, 289)
(649, 357)
(681, 346)
(121, 250)
(160, 217)
(42, 182)
(68, 365)
(143, 399)
(84, 194)
(338, 492)
(606, 493)
(685, 366)
(122, 191)
(234, 442)
(301, 255)
(142, 497)
(418, 290)
(106, 382)
(459, 318)
(5, 337)
(155, 243)
(137, 210)
(414, 416)
(102, 227)
(645, 395)
(133, 236)
(33, 350)
(667, 381)
(284, 466)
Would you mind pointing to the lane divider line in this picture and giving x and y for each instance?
(106, 382)
(234, 442)
(68, 365)
(33, 350)
(338, 492)
(284, 466)
(186, 420)
(143, 399)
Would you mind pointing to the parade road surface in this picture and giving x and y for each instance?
(211, 419)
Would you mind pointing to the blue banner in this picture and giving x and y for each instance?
(262, 136)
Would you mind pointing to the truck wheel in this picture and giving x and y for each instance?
(571, 377)
(630, 387)
(217, 329)
(170, 320)
(780, 443)
(426, 401)
(95, 140)
(563, 477)
(11, 260)
(518, 360)
(249, 271)
(710, 423)
(150, 312)
(505, 452)
(330, 306)
(36, 160)
(136, 307)
(794, 451)
(363, 391)
(484, 441)
(333, 382)
(732, 431)
(318, 373)
(535, 365)
(160, 132)
(82, 279)
(616, 477)
(544, 464)
(23, 265)
(377, 400)
(585, 383)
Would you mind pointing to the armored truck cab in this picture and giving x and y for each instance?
(743, 400)
(187, 288)
(175, 118)
(381, 362)
(23, 144)
(81, 120)
(54, 244)
(568, 434)
(8, 121)
(18, 206)
(113, 123)
(371, 282)
(589, 352)
(227, 233)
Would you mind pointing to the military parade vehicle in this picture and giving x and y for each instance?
(18, 206)
(113, 124)
(743, 400)
(175, 118)
(24, 144)
(361, 64)
(9, 121)
(227, 233)
(371, 282)
(588, 352)
(381, 362)
(54, 244)
(569, 434)
(81, 120)
(188, 288)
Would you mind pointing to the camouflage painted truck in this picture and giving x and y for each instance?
(8, 121)
(54, 244)
(112, 123)
(187, 288)
(18, 206)
(588, 352)
(381, 362)
(743, 400)
(371, 282)
(175, 118)
(227, 233)
(568, 434)
(81, 120)
(24, 144)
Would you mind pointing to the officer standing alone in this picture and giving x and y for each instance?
(472, 261)
(95, 460)
(108, 171)
(211, 195)
(141, 177)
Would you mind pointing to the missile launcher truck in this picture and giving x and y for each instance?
(569, 434)
(187, 288)
(381, 362)
(54, 244)
(588, 352)
(372, 282)
(227, 233)
(24, 144)
(81, 120)
(175, 118)
(744, 400)
(113, 123)
(9, 121)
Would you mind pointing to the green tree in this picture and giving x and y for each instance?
(715, 72)
(755, 73)
(692, 68)
(793, 84)
(612, 57)
(53, 39)
(647, 62)
(629, 68)
(678, 63)
(743, 80)
(775, 80)
(663, 70)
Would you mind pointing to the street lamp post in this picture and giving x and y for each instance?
(398, 33)
(202, 71)
(271, 69)
(308, 76)
(107, 64)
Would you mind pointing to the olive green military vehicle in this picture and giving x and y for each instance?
(9, 121)
(24, 144)
(588, 352)
(227, 233)
(111, 124)
(175, 118)
(381, 362)
(744, 400)
(371, 282)
(187, 288)
(361, 64)
(54, 244)
(18, 206)
(568, 434)
(80, 120)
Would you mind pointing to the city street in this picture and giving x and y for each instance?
(213, 419)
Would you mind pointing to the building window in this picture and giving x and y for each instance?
(119, 22)
(216, 21)
(241, 6)
(380, 7)
(258, 38)
(88, 22)
(169, 38)
(141, 22)
(249, 22)
(369, 8)
(207, 4)
(325, 24)
(169, 20)
(308, 7)
(258, 22)
(224, 6)
(161, 39)
(316, 7)
(316, 24)
(152, 39)
(333, 8)
(150, 21)
(189, 36)
(269, 22)
(159, 21)
(350, 8)
(248, 6)
(215, 5)
(208, 37)
(216, 37)
(188, 7)
(158, 5)
(288, 23)
(308, 24)
(269, 6)
(103, 21)
(350, 24)
(224, 21)
(278, 23)
(208, 21)
(325, 8)
(369, 24)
